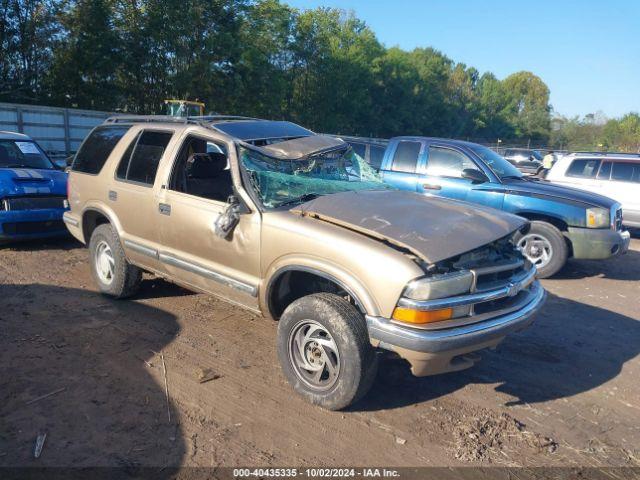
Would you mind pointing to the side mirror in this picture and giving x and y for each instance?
(476, 176)
(229, 218)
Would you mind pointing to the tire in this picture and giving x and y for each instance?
(124, 279)
(331, 320)
(543, 235)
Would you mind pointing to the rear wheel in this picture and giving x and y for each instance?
(545, 247)
(324, 350)
(113, 274)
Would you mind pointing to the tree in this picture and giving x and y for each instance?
(85, 65)
(28, 35)
(528, 105)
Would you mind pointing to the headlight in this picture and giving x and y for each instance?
(598, 218)
(439, 286)
(431, 288)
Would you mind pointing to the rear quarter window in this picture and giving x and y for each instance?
(96, 149)
(405, 157)
(360, 149)
(376, 154)
(140, 162)
(583, 168)
(626, 172)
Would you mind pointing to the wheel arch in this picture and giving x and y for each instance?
(557, 222)
(92, 217)
(290, 282)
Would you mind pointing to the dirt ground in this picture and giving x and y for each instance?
(89, 372)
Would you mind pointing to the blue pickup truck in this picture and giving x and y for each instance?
(564, 222)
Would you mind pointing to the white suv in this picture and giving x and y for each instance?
(614, 175)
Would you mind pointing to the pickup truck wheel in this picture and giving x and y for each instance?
(324, 350)
(545, 247)
(114, 275)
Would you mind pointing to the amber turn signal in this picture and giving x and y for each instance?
(408, 315)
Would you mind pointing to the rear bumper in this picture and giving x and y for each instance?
(438, 351)
(597, 244)
(28, 224)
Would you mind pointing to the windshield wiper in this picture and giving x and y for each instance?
(301, 199)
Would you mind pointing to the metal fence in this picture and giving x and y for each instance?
(59, 131)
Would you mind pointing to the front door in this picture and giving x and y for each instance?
(443, 177)
(194, 196)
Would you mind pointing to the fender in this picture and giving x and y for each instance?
(320, 267)
(104, 210)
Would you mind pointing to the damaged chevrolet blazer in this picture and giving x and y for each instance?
(295, 226)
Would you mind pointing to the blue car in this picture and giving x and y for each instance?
(564, 222)
(33, 191)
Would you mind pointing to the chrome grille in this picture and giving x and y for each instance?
(497, 275)
(618, 220)
(41, 202)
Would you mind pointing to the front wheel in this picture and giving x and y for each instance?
(113, 274)
(324, 350)
(545, 247)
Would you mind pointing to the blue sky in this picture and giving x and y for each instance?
(587, 52)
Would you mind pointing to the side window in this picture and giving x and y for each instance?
(360, 149)
(405, 158)
(140, 161)
(376, 154)
(202, 169)
(626, 172)
(96, 148)
(605, 171)
(444, 162)
(583, 168)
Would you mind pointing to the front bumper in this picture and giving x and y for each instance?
(27, 224)
(438, 351)
(597, 244)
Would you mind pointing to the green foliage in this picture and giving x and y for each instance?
(595, 132)
(323, 68)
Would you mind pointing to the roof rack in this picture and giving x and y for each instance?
(222, 118)
(147, 119)
(199, 120)
(604, 154)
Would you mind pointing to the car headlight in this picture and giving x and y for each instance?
(439, 286)
(598, 218)
(431, 288)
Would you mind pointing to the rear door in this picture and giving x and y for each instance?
(624, 184)
(402, 164)
(583, 173)
(133, 192)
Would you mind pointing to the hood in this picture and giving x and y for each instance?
(299, 148)
(560, 192)
(432, 228)
(29, 181)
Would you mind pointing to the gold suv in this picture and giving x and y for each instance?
(297, 227)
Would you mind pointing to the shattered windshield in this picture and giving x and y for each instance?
(289, 182)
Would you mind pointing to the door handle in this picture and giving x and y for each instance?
(113, 195)
(164, 208)
(431, 186)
